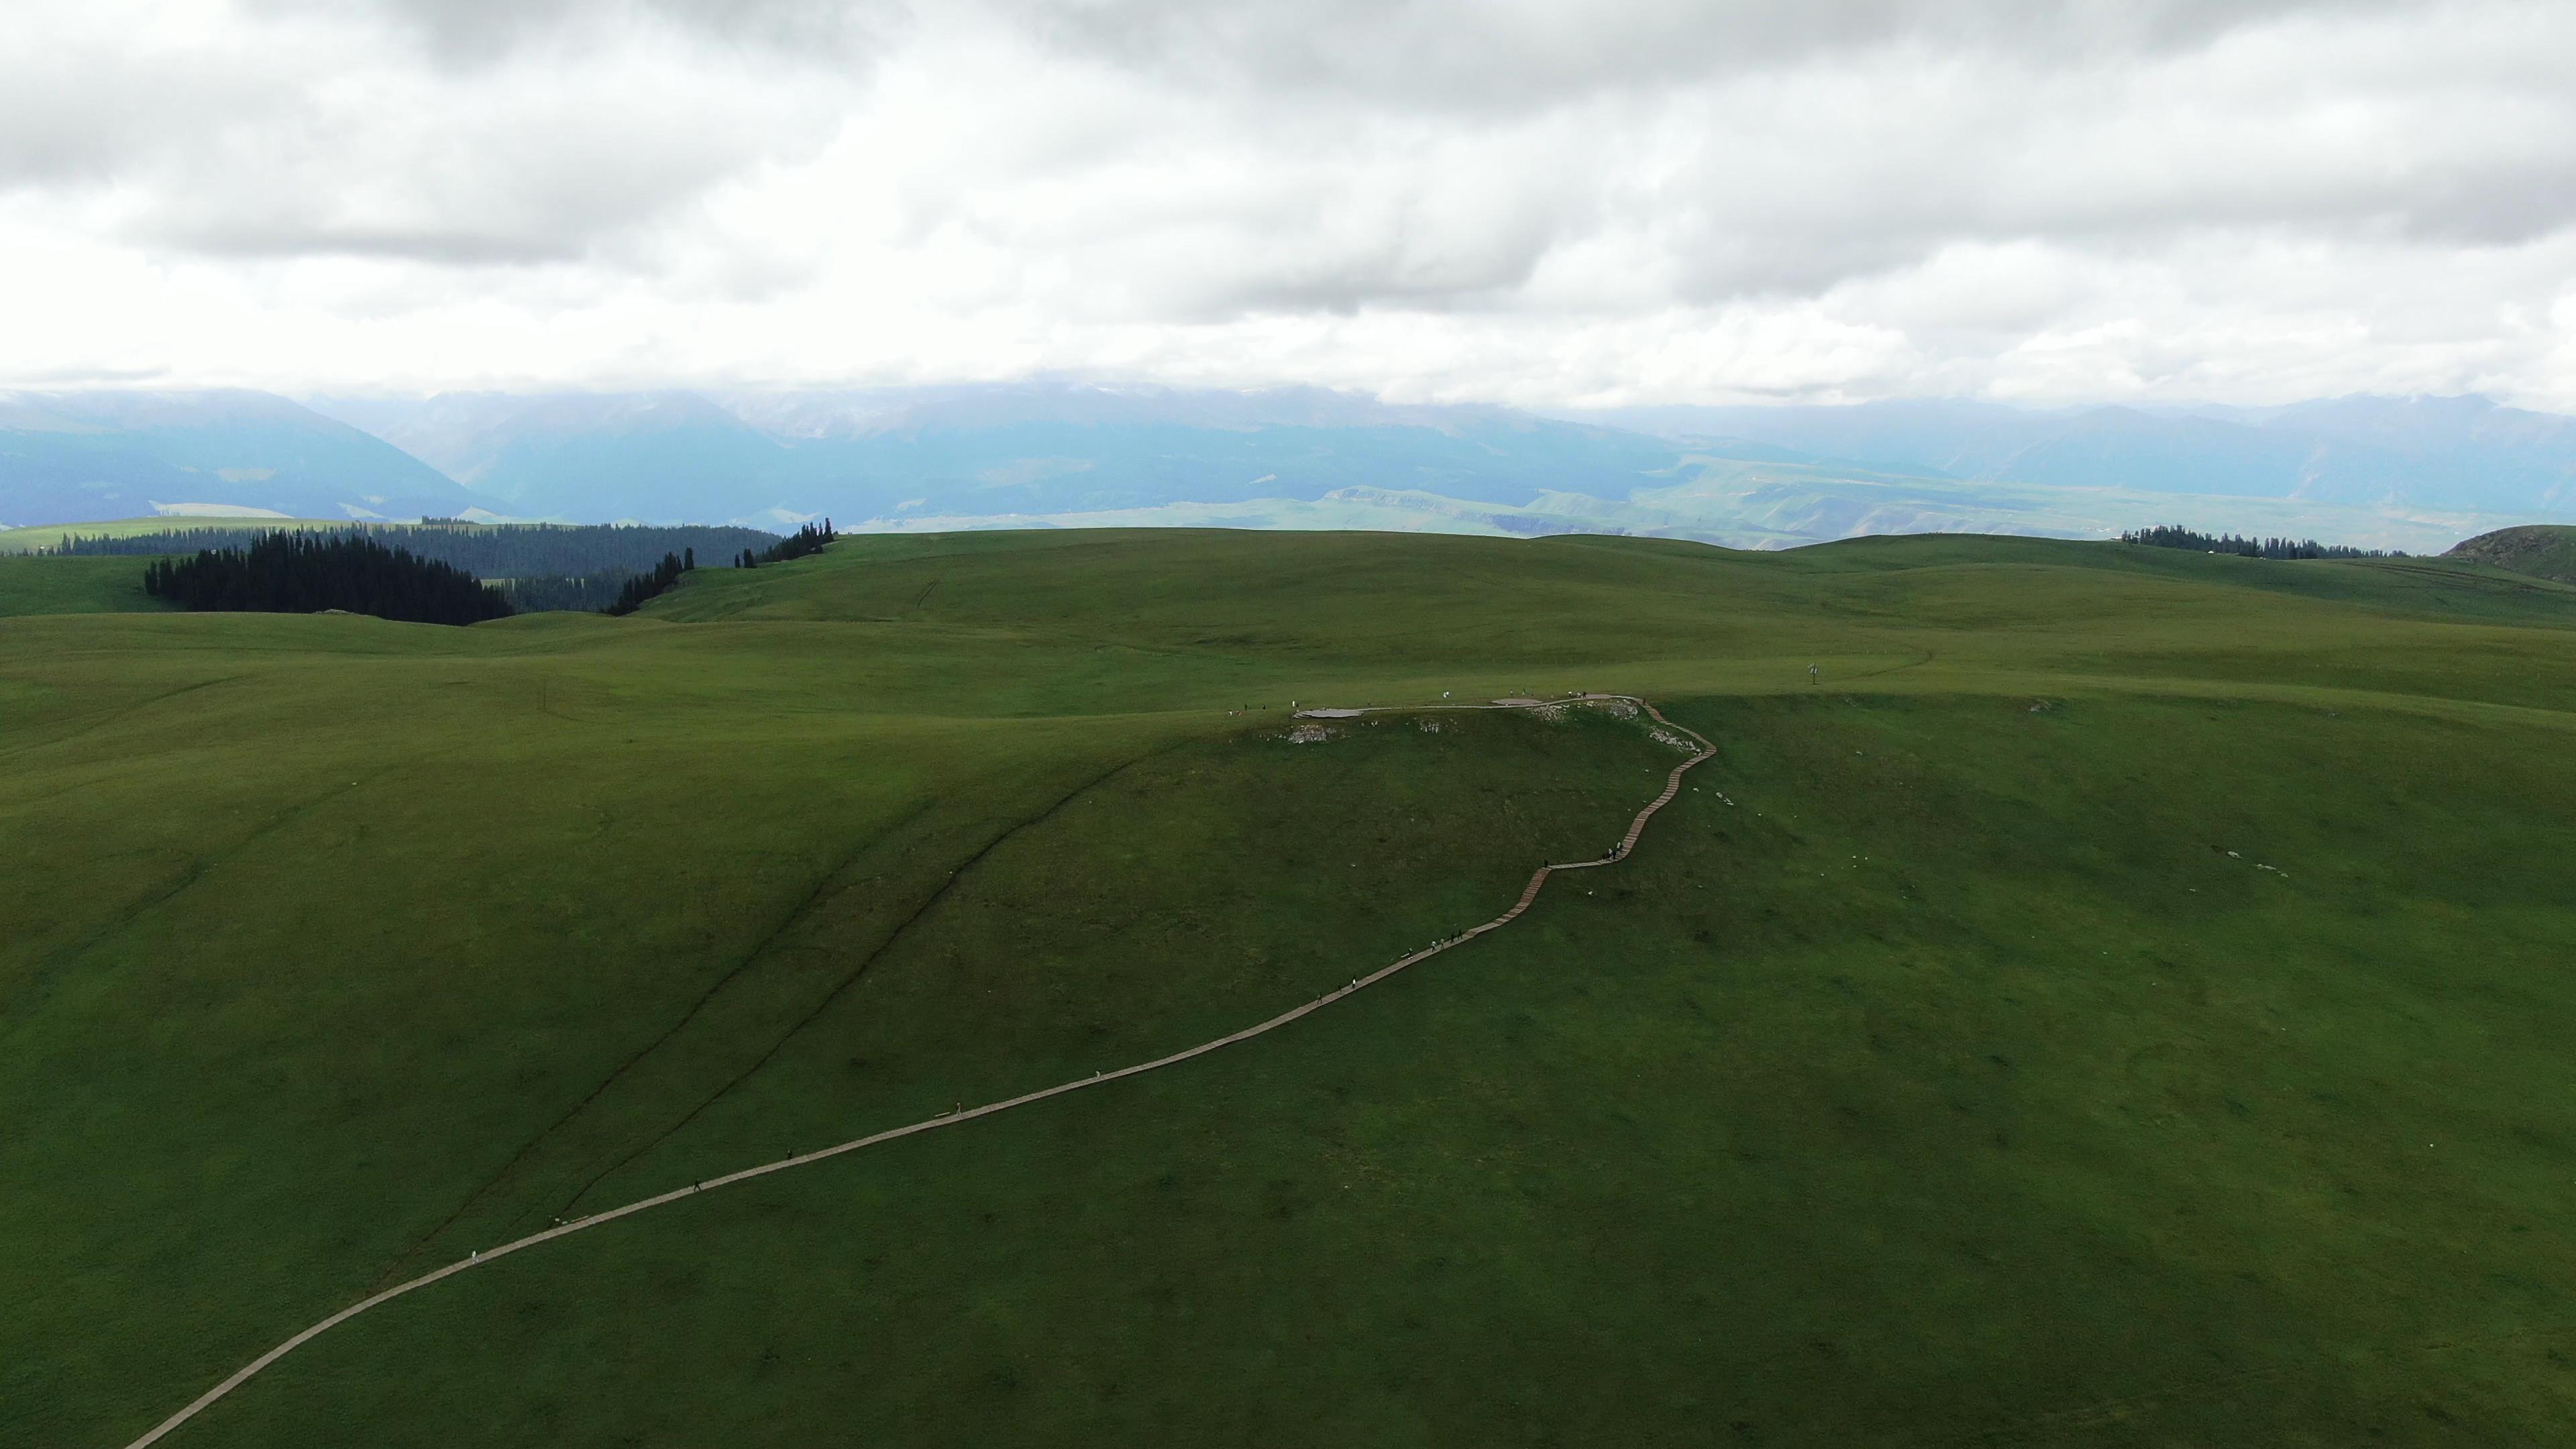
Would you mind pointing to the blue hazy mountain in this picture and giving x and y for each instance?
(664, 457)
(1921, 437)
(2464, 448)
(2465, 453)
(2117, 447)
(2413, 473)
(66, 457)
(986, 450)
(1066, 448)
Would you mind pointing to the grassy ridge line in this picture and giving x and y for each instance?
(2068, 608)
(1636, 828)
(50, 535)
(2541, 550)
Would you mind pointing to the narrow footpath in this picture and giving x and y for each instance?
(1627, 843)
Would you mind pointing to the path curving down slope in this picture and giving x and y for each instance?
(1636, 828)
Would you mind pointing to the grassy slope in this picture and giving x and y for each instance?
(26, 540)
(2542, 550)
(74, 586)
(2046, 1116)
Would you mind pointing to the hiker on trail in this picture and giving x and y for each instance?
(1812, 674)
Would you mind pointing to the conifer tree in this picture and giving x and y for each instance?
(303, 573)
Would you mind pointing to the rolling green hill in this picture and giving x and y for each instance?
(2542, 550)
(2123, 1003)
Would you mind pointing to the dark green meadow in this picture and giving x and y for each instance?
(73, 586)
(1945, 1067)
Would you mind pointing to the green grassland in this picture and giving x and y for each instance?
(30, 585)
(2125, 1003)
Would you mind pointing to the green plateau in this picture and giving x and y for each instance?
(2120, 997)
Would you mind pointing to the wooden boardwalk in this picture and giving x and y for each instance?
(1529, 893)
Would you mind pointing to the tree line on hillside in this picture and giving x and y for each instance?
(487, 551)
(657, 579)
(302, 573)
(540, 567)
(554, 594)
(2169, 536)
(803, 541)
(662, 576)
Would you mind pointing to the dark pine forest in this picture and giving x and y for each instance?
(507, 551)
(2169, 536)
(301, 573)
(808, 539)
(538, 568)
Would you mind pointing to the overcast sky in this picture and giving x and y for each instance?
(1611, 201)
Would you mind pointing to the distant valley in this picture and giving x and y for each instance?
(2406, 473)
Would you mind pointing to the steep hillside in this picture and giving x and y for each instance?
(2020, 1034)
(2541, 550)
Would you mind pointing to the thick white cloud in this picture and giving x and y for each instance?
(1538, 202)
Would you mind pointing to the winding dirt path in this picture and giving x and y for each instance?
(1636, 828)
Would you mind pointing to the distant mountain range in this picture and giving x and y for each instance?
(2414, 473)
(2426, 452)
(68, 457)
(1025, 449)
